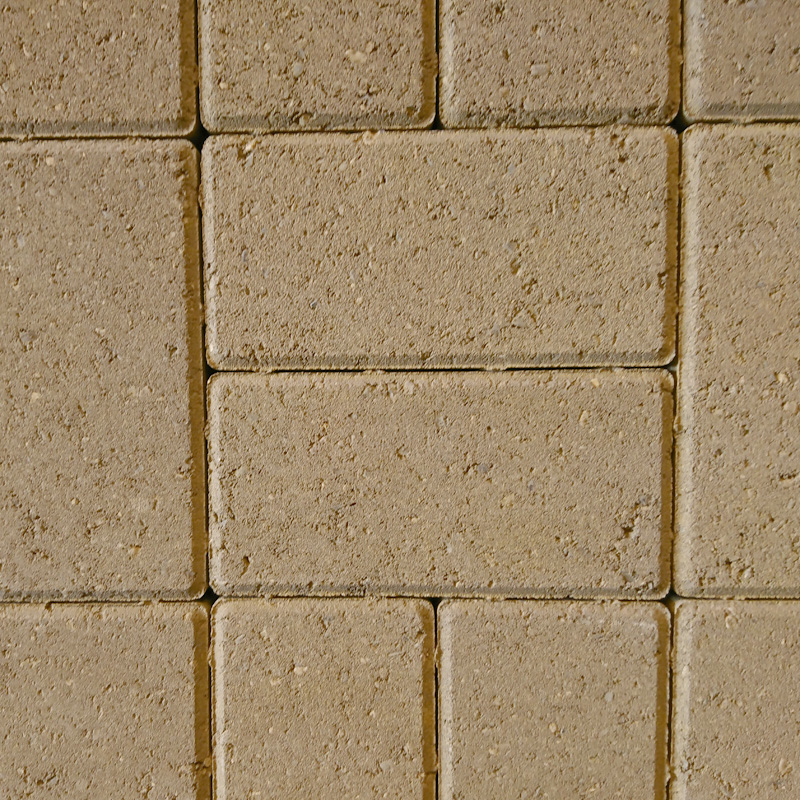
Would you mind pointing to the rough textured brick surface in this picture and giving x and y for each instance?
(324, 699)
(440, 249)
(736, 700)
(553, 700)
(104, 701)
(101, 467)
(457, 483)
(738, 469)
(97, 67)
(558, 62)
(335, 64)
(742, 59)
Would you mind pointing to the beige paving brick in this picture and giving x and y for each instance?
(545, 483)
(97, 67)
(558, 62)
(738, 451)
(441, 249)
(553, 700)
(101, 467)
(331, 64)
(736, 695)
(104, 701)
(324, 699)
(742, 60)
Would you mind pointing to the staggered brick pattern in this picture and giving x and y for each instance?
(494, 493)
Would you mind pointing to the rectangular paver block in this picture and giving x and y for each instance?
(738, 452)
(553, 700)
(324, 699)
(330, 64)
(736, 700)
(558, 62)
(431, 249)
(104, 701)
(546, 483)
(97, 67)
(742, 60)
(102, 465)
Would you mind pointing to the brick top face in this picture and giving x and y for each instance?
(324, 698)
(102, 479)
(441, 249)
(334, 64)
(568, 698)
(742, 60)
(738, 468)
(104, 701)
(558, 62)
(97, 67)
(736, 700)
(531, 484)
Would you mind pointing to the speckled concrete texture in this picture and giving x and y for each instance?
(742, 60)
(324, 699)
(102, 485)
(549, 483)
(97, 67)
(738, 449)
(497, 318)
(434, 249)
(553, 700)
(558, 62)
(104, 701)
(330, 64)
(736, 700)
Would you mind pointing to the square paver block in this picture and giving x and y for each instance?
(97, 67)
(104, 701)
(742, 59)
(330, 64)
(553, 700)
(736, 700)
(738, 449)
(558, 62)
(324, 699)
(531, 484)
(432, 249)
(102, 480)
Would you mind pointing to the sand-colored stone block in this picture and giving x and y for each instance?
(102, 485)
(553, 699)
(558, 62)
(97, 68)
(736, 700)
(324, 699)
(742, 60)
(331, 64)
(738, 448)
(432, 249)
(532, 484)
(108, 701)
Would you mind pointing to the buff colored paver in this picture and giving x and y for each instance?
(738, 450)
(558, 62)
(546, 483)
(334, 64)
(97, 67)
(742, 60)
(104, 701)
(433, 249)
(324, 699)
(101, 467)
(736, 700)
(553, 700)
